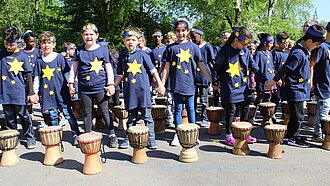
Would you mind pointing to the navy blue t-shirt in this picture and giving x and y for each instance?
(297, 80)
(13, 65)
(321, 76)
(91, 72)
(266, 67)
(32, 56)
(279, 58)
(53, 88)
(208, 58)
(157, 55)
(231, 69)
(183, 58)
(134, 66)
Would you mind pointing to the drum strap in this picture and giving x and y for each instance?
(103, 158)
(61, 144)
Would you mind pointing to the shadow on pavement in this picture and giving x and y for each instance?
(70, 165)
(117, 156)
(162, 155)
(33, 156)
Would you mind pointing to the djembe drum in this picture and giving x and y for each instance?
(214, 115)
(99, 123)
(241, 130)
(138, 139)
(325, 123)
(51, 138)
(252, 112)
(267, 110)
(274, 135)
(286, 111)
(8, 143)
(312, 110)
(161, 100)
(122, 115)
(159, 115)
(77, 108)
(188, 135)
(90, 145)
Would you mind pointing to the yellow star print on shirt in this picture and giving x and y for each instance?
(301, 80)
(48, 72)
(186, 71)
(133, 81)
(179, 67)
(134, 67)
(4, 77)
(236, 85)
(45, 86)
(15, 66)
(59, 69)
(96, 65)
(234, 69)
(184, 55)
(88, 78)
(51, 92)
(13, 82)
(173, 63)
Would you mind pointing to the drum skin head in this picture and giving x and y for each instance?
(243, 125)
(188, 127)
(50, 128)
(275, 127)
(267, 104)
(214, 108)
(159, 106)
(6, 133)
(326, 118)
(91, 136)
(138, 129)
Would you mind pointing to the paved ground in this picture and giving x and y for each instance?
(216, 165)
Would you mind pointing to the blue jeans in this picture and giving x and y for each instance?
(179, 100)
(323, 108)
(68, 114)
(147, 118)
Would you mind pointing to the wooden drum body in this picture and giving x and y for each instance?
(286, 111)
(267, 110)
(51, 138)
(159, 115)
(325, 123)
(161, 101)
(274, 135)
(8, 143)
(138, 139)
(252, 112)
(122, 115)
(90, 145)
(188, 135)
(214, 115)
(241, 130)
(312, 110)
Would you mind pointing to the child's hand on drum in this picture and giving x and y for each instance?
(110, 90)
(270, 84)
(161, 90)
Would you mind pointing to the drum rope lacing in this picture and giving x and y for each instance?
(61, 144)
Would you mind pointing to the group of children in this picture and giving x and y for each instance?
(184, 69)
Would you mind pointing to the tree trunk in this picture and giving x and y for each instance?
(37, 11)
(6, 12)
(238, 11)
(271, 5)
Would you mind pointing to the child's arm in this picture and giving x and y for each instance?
(72, 75)
(161, 88)
(165, 72)
(118, 80)
(201, 66)
(31, 95)
(110, 88)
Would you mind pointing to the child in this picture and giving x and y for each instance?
(51, 83)
(252, 83)
(170, 38)
(133, 67)
(182, 60)
(143, 44)
(95, 78)
(16, 85)
(231, 68)
(202, 84)
(159, 49)
(320, 75)
(296, 70)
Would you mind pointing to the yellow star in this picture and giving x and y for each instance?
(186, 71)
(133, 80)
(236, 85)
(88, 78)
(173, 63)
(13, 82)
(184, 55)
(268, 61)
(45, 86)
(159, 55)
(15, 66)
(270, 70)
(283, 62)
(59, 69)
(134, 67)
(51, 92)
(126, 79)
(96, 65)
(244, 80)
(198, 69)
(309, 81)
(48, 72)
(4, 77)
(301, 80)
(234, 69)
(179, 67)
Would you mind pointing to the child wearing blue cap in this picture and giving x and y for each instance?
(16, 85)
(202, 84)
(231, 69)
(320, 75)
(143, 44)
(95, 78)
(296, 70)
(50, 81)
(181, 65)
(132, 68)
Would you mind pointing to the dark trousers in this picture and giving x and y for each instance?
(11, 112)
(296, 119)
(102, 103)
(202, 93)
(216, 98)
(276, 98)
(230, 111)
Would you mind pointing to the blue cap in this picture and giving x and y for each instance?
(239, 37)
(90, 26)
(196, 30)
(158, 33)
(268, 39)
(311, 32)
(131, 33)
(26, 32)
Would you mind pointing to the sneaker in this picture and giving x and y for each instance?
(204, 123)
(31, 144)
(198, 142)
(41, 126)
(75, 140)
(175, 141)
(152, 145)
(63, 122)
(298, 143)
(317, 138)
(230, 140)
(124, 144)
(113, 141)
(251, 139)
